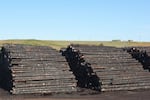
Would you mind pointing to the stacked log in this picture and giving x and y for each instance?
(81, 69)
(116, 69)
(142, 54)
(147, 49)
(37, 70)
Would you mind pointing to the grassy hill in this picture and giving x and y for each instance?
(60, 44)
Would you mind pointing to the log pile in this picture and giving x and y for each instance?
(37, 70)
(147, 49)
(116, 69)
(81, 69)
(142, 54)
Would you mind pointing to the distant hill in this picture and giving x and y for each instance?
(60, 44)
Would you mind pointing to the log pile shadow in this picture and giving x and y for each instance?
(85, 76)
(140, 55)
(5, 72)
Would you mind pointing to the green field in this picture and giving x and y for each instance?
(59, 44)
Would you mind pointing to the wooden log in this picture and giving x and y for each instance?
(119, 73)
(68, 80)
(45, 77)
(44, 91)
(126, 87)
(42, 73)
(46, 85)
(36, 70)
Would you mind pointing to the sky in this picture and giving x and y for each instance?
(81, 20)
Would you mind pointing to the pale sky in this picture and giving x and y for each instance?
(95, 20)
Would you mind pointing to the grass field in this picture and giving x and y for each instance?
(59, 44)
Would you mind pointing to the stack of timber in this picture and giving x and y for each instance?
(85, 76)
(147, 49)
(36, 70)
(116, 69)
(142, 54)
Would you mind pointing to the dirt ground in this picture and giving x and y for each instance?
(117, 95)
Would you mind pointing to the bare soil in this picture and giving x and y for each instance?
(117, 95)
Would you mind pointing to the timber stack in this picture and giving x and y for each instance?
(115, 68)
(147, 49)
(85, 76)
(142, 54)
(36, 70)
